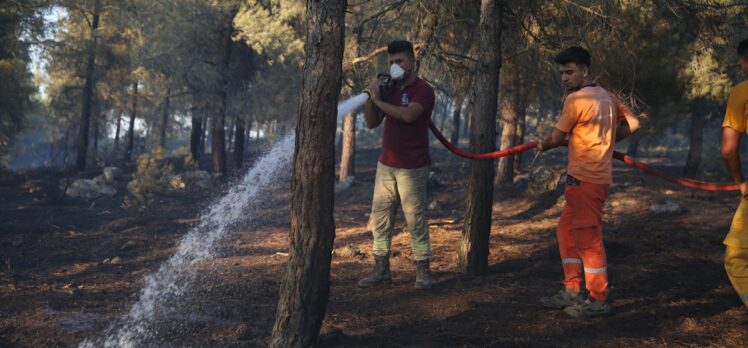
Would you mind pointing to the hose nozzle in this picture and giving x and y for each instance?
(368, 92)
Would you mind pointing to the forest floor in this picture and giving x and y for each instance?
(668, 284)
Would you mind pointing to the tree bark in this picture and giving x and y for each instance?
(131, 129)
(165, 119)
(116, 134)
(196, 134)
(306, 284)
(473, 254)
(505, 167)
(218, 145)
(519, 137)
(456, 119)
(694, 150)
(348, 151)
(239, 143)
(82, 142)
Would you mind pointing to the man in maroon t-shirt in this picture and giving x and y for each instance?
(403, 168)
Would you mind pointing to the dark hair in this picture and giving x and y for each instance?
(400, 46)
(743, 48)
(576, 55)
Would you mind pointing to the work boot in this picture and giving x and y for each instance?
(587, 309)
(381, 274)
(423, 275)
(562, 299)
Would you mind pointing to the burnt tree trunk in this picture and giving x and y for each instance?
(165, 119)
(694, 149)
(348, 151)
(218, 144)
(196, 134)
(239, 143)
(306, 284)
(473, 254)
(131, 128)
(116, 134)
(82, 142)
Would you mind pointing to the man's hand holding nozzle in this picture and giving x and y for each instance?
(373, 90)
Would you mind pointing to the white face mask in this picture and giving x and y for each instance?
(396, 72)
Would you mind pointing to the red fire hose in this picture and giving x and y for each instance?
(695, 184)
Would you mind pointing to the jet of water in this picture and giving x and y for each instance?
(352, 104)
(175, 275)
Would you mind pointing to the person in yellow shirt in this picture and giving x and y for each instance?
(736, 117)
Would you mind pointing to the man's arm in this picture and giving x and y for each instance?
(628, 126)
(553, 140)
(408, 114)
(731, 156)
(372, 114)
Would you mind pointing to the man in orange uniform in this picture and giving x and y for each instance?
(595, 120)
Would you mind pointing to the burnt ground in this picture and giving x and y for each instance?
(668, 285)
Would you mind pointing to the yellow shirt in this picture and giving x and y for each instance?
(737, 108)
(735, 118)
(590, 116)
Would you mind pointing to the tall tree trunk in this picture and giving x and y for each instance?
(131, 131)
(456, 119)
(306, 284)
(239, 143)
(695, 145)
(473, 255)
(218, 145)
(505, 167)
(116, 134)
(82, 142)
(196, 134)
(165, 119)
(348, 152)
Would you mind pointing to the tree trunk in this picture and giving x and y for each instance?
(456, 119)
(196, 134)
(306, 284)
(165, 119)
(239, 143)
(205, 132)
(694, 149)
(116, 134)
(519, 137)
(473, 254)
(505, 167)
(131, 131)
(218, 145)
(348, 152)
(82, 142)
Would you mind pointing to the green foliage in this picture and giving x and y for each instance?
(16, 83)
(149, 179)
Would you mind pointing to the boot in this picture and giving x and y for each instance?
(423, 275)
(381, 274)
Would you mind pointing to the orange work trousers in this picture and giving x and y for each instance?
(580, 238)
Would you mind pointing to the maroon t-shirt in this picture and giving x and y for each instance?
(406, 145)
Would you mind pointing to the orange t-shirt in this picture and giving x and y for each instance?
(590, 116)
